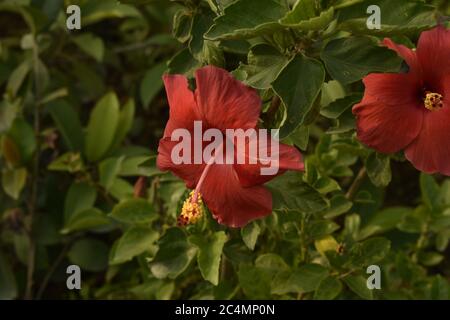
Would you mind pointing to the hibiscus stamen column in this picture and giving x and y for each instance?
(192, 209)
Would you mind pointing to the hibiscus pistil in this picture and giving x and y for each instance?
(192, 209)
(433, 101)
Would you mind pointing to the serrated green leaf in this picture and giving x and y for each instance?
(250, 234)
(350, 59)
(297, 94)
(209, 254)
(174, 255)
(379, 169)
(397, 17)
(240, 19)
(264, 63)
(291, 193)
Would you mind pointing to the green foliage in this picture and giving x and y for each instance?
(81, 113)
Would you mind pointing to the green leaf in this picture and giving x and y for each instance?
(240, 19)
(430, 259)
(17, 78)
(250, 234)
(379, 169)
(134, 211)
(102, 127)
(336, 108)
(328, 289)
(384, 220)
(95, 11)
(301, 137)
(152, 83)
(271, 262)
(90, 82)
(301, 280)
(430, 191)
(121, 189)
(174, 255)
(24, 138)
(182, 25)
(209, 255)
(297, 94)
(9, 151)
(415, 221)
(320, 228)
(350, 59)
(200, 25)
(13, 181)
(440, 288)
(134, 242)
(358, 284)
(183, 63)
(79, 197)
(339, 204)
(68, 123)
(91, 44)
(139, 166)
(256, 280)
(291, 193)
(303, 17)
(89, 254)
(264, 63)
(8, 285)
(370, 251)
(8, 112)
(108, 170)
(85, 220)
(397, 17)
(326, 185)
(69, 162)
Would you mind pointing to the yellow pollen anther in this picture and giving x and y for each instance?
(192, 209)
(433, 101)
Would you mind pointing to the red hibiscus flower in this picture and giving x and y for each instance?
(233, 192)
(411, 111)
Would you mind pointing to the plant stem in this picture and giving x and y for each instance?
(356, 184)
(32, 207)
(52, 270)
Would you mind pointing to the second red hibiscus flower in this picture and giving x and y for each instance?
(411, 111)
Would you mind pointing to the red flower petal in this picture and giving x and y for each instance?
(224, 102)
(388, 118)
(392, 88)
(430, 152)
(433, 51)
(406, 53)
(230, 203)
(250, 174)
(183, 108)
(190, 173)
